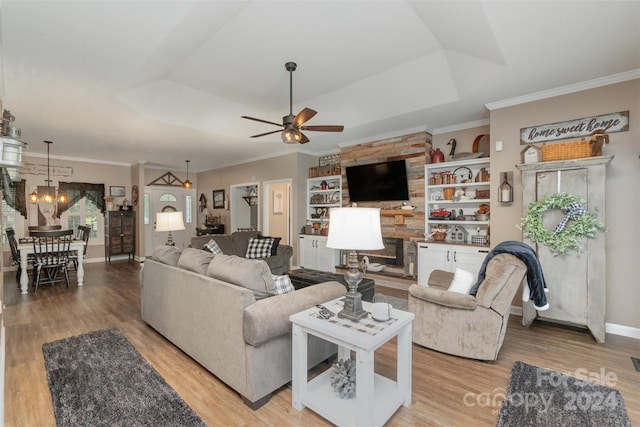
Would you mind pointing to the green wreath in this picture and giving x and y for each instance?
(566, 237)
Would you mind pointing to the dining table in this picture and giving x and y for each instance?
(25, 246)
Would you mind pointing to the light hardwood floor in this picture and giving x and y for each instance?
(441, 383)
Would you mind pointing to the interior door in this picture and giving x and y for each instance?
(277, 210)
(166, 199)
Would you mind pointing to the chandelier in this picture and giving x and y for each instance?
(49, 193)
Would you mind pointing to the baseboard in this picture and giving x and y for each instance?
(610, 328)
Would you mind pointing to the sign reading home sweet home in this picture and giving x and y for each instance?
(616, 122)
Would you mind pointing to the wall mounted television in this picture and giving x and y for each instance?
(378, 182)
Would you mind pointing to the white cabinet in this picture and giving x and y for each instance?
(459, 188)
(323, 193)
(315, 255)
(439, 256)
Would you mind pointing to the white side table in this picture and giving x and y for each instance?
(377, 397)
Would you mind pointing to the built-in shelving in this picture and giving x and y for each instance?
(448, 177)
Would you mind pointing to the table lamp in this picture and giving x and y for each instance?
(169, 221)
(354, 229)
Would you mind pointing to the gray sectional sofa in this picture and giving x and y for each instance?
(237, 242)
(218, 310)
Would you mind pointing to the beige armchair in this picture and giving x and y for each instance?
(466, 325)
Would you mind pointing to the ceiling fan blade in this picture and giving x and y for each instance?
(303, 116)
(304, 139)
(260, 120)
(323, 128)
(266, 133)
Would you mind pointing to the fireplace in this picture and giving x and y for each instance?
(392, 254)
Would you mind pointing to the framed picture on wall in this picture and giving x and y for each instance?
(116, 191)
(278, 197)
(218, 199)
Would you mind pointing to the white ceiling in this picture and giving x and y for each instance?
(166, 81)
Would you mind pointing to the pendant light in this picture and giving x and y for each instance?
(49, 195)
(187, 184)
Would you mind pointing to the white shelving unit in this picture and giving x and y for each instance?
(455, 252)
(320, 200)
(435, 194)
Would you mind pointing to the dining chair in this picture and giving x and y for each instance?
(51, 250)
(36, 228)
(84, 232)
(15, 253)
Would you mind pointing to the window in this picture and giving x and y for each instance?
(146, 209)
(168, 197)
(82, 212)
(188, 215)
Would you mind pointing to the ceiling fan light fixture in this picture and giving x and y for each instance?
(291, 136)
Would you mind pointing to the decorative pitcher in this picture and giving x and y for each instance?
(437, 156)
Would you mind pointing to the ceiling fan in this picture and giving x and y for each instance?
(293, 124)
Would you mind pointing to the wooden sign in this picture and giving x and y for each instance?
(618, 122)
(32, 169)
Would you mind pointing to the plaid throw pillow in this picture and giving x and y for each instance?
(213, 247)
(283, 284)
(259, 248)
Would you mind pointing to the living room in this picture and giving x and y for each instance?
(578, 98)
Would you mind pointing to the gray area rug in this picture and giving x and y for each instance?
(397, 303)
(541, 397)
(100, 379)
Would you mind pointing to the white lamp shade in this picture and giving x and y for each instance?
(355, 228)
(169, 221)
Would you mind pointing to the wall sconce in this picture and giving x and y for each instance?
(505, 190)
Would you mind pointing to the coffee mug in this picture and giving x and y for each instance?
(381, 311)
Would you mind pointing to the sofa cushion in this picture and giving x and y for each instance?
(269, 318)
(213, 247)
(240, 242)
(276, 242)
(166, 254)
(195, 260)
(282, 284)
(253, 274)
(259, 248)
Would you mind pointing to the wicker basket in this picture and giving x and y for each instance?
(566, 151)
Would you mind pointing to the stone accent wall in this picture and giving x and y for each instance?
(412, 148)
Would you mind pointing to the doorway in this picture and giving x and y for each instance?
(167, 199)
(244, 207)
(277, 210)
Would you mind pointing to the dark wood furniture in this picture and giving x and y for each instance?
(210, 229)
(119, 234)
(303, 277)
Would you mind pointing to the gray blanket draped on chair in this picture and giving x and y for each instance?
(535, 276)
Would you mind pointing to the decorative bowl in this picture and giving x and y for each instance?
(482, 217)
(439, 236)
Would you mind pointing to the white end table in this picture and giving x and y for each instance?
(377, 397)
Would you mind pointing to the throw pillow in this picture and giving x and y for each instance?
(283, 284)
(167, 254)
(253, 274)
(276, 242)
(259, 248)
(195, 260)
(462, 282)
(213, 247)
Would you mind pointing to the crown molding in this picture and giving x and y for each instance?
(76, 159)
(564, 90)
(462, 126)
